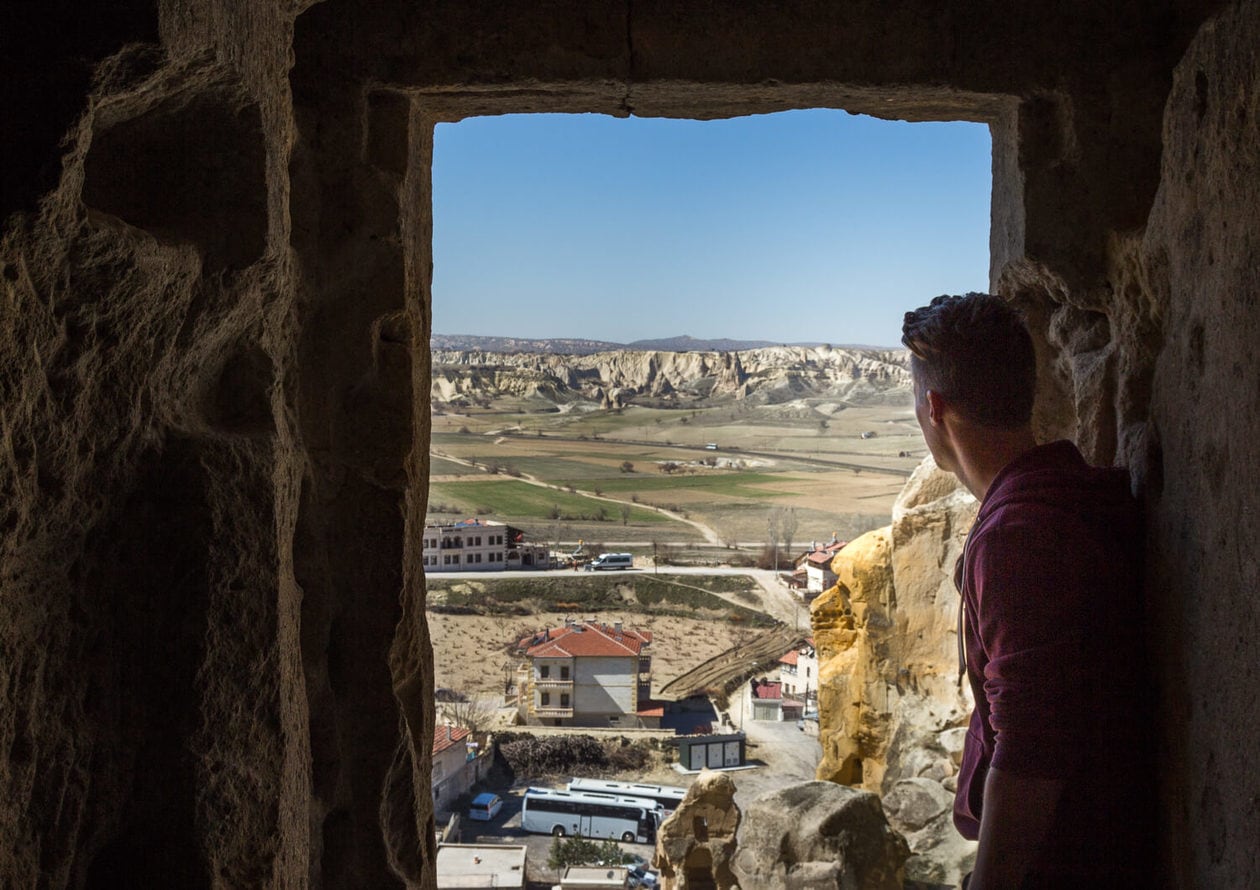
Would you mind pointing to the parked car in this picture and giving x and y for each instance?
(610, 561)
(485, 806)
(641, 876)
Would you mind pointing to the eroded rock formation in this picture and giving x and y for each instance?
(890, 706)
(696, 844)
(818, 835)
(770, 375)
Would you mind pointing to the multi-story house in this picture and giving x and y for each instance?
(587, 674)
(480, 545)
(816, 563)
(798, 672)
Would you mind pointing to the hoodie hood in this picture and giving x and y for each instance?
(1056, 476)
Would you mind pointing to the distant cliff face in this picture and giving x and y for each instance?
(616, 378)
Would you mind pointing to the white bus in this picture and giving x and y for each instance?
(629, 819)
(668, 796)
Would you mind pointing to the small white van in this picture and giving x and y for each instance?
(610, 561)
(485, 806)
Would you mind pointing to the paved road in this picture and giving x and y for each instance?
(506, 829)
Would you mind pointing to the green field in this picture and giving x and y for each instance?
(508, 497)
(839, 472)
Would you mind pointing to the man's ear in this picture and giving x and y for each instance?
(935, 406)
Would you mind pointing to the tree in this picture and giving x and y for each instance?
(467, 711)
(773, 525)
(577, 850)
(625, 514)
(627, 466)
(788, 527)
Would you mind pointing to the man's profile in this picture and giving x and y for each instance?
(1056, 777)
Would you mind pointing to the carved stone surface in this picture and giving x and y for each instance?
(818, 836)
(215, 310)
(695, 844)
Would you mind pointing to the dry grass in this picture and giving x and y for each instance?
(470, 651)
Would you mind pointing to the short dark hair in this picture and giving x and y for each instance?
(975, 351)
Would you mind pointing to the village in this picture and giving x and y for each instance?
(750, 710)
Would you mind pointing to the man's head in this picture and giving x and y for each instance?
(975, 353)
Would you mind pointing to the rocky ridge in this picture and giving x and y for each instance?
(614, 379)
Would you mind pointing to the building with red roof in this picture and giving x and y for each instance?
(587, 673)
(450, 777)
(816, 563)
(798, 671)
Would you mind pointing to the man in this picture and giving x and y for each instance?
(1056, 773)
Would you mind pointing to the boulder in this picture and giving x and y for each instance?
(695, 844)
(836, 837)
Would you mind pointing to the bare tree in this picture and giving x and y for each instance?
(472, 713)
(773, 525)
(788, 529)
(625, 514)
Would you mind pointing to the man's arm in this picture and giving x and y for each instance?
(1017, 813)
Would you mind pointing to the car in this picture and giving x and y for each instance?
(641, 876)
(484, 807)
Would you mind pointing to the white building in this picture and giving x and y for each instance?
(472, 545)
(587, 674)
(450, 778)
(816, 561)
(798, 672)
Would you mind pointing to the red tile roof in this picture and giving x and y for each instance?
(585, 639)
(649, 708)
(767, 690)
(445, 736)
(791, 658)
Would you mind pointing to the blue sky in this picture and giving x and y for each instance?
(815, 226)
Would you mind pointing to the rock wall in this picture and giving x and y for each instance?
(891, 711)
(215, 314)
(1196, 274)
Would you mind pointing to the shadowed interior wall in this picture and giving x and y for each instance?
(214, 323)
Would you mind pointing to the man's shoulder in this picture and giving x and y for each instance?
(1053, 483)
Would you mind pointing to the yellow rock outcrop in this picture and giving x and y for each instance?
(887, 641)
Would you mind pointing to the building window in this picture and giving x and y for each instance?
(546, 699)
(544, 671)
(564, 672)
(564, 700)
(806, 673)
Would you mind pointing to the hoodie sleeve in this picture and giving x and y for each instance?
(1029, 608)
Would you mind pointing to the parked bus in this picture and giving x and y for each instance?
(629, 819)
(668, 796)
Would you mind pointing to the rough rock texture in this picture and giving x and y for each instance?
(695, 844)
(889, 701)
(837, 837)
(211, 628)
(769, 375)
(1199, 278)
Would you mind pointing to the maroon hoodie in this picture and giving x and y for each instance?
(1053, 632)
